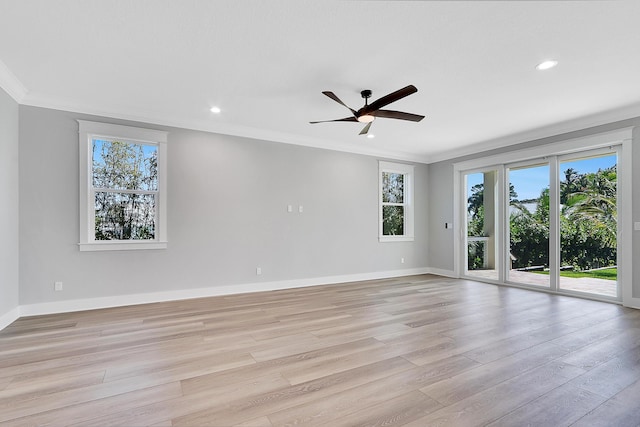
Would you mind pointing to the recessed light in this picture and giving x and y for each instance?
(371, 136)
(546, 65)
(215, 110)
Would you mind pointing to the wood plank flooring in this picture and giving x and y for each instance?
(413, 351)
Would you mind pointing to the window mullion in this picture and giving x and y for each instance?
(123, 191)
(554, 224)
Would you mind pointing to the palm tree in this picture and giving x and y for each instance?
(570, 184)
(596, 203)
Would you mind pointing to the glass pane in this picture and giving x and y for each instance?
(393, 220)
(392, 187)
(529, 225)
(125, 166)
(123, 216)
(588, 225)
(481, 231)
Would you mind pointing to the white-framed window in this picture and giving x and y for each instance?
(123, 201)
(396, 202)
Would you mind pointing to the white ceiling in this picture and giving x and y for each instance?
(265, 63)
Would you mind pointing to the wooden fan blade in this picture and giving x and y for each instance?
(392, 97)
(335, 98)
(346, 119)
(390, 114)
(365, 129)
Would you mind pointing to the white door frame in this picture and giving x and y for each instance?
(621, 137)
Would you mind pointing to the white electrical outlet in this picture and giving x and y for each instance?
(258, 271)
(289, 208)
(300, 209)
(401, 260)
(636, 226)
(57, 286)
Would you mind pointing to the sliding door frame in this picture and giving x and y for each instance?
(617, 150)
(539, 161)
(553, 152)
(499, 212)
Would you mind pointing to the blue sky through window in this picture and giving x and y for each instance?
(148, 150)
(117, 171)
(530, 182)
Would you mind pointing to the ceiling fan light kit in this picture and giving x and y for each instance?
(369, 112)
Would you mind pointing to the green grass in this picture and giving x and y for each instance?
(609, 273)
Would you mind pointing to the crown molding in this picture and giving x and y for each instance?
(220, 128)
(10, 83)
(606, 117)
(572, 125)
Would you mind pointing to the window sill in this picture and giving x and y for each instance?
(383, 239)
(120, 246)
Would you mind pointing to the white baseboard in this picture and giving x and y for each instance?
(631, 303)
(446, 273)
(9, 317)
(146, 298)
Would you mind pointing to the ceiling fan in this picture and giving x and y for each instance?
(370, 112)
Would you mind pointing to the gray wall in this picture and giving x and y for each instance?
(8, 203)
(440, 243)
(226, 215)
(441, 212)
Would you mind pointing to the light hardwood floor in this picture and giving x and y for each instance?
(414, 351)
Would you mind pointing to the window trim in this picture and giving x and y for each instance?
(87, 132)
(408, 171)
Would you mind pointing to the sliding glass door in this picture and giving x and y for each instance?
(482, 236)
(528, 224)
(588, 224)
(549, 223)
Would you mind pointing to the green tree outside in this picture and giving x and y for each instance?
(125, 178)
(588, 223)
